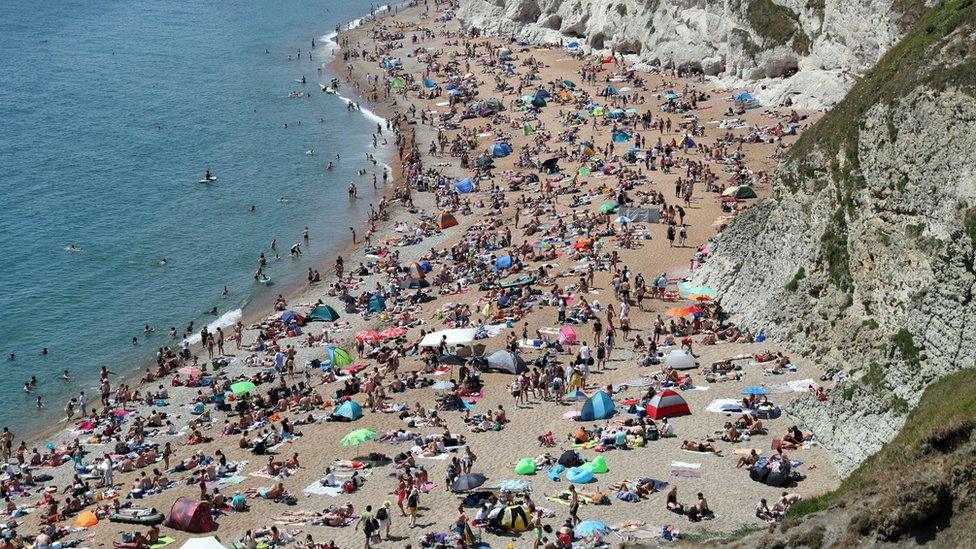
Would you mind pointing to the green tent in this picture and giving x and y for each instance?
(484, 162)
(607, 207)
(376, 304)
(739, 192)
(358, 437)
(242, 388)
(585, 171)
(339, 357)
(323, 313)
(569, 84)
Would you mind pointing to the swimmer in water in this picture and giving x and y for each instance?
(310, 152)
(352, 190)
(72, 248)
(224, 293)
(329, 167)
(66, 375)
(148, 329)
(135, 340)
(213, 311)
(252, 208)
(44, 351)
(163, 262)
(27, 387)
(283, 199)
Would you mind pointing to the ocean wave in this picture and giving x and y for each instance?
(227, 319)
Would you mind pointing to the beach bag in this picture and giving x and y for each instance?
(758, 473)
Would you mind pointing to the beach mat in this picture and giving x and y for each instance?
(163, 542)
(317, 489)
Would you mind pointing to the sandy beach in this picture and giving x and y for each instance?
(731, 494)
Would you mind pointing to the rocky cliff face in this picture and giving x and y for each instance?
(812, 50)
(864, 260)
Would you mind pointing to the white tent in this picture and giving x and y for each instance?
(680, 360)
(455, 337)
(208, 542)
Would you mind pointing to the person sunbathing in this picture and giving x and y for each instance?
(731, 434)
(672, 501)
(699, 447)
(748, 461)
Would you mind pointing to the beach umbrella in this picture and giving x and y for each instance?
(338, 357)
(358, 437)
(680, 360)
(567, 335)
(467, 482)
(350, 409)
(443, 385)
(623, 219)
(190, 371)
(589, 528)
(369, 335)
(242, 388)
(753, 390)
(607, 207)
(393, 332)
(676, 312)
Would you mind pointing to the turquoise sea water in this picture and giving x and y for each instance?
(110, 113)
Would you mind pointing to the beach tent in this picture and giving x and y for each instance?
(376, 304)
(495, 105)
(610, 90)
(86, 519)
(484, 162)
(189, 515)
(428, 83)
(567, 335)
(444, 220)
(506, 361)
(740, 191)
(541, 92)
(680, 360)
(208, 542)
(598, 406)
(415, 270)
(337, 357)
(538, 102)
(499, 150)
(572, 44)
(323, 313)
(455, 337)
(515, 518)
(667, 403)
(743, 97)
(350, 410)
(414, 283)
(620, 137)
(503, 262)
(464, 186)
(570, 458)
(551, 165)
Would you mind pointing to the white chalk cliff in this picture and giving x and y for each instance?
(812, 50)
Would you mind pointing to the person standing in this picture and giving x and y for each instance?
(366, 520)
(413, 503)
(573, 505)
(384, 517)
(107, 479)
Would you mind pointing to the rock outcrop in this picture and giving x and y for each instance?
(810, 50)
(864, 258)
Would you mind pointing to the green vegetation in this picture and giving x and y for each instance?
(708, 535)
(969, 223)
(793, 284)
(870, 324)
(899, 405)
(748, 46)
(905, 345)
(904, 68)
(875, 377)
(777, 26)
(835, 252)
(622, 10)
(947, 407)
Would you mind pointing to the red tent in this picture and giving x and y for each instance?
(667, 403)
(190, 516)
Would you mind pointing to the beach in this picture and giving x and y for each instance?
(731, 495)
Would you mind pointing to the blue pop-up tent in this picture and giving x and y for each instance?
(499, 150)
(502, 262)
(428, 83)
(598, 406)
(541, 92)
(350, 410)
(743, 97)
(464, 186)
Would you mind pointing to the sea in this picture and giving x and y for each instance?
(110, 114)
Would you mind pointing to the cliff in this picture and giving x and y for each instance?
(864, 260)
(811, 50)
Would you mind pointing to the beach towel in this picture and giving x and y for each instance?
(638, 382)
(685, 469)
(800, 385)
(163, 541)
(724, 406)
(316, 489)
(513, 485)
(225, 482)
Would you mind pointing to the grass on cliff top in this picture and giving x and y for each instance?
(777, 25)
(905, 66)
(949, 402)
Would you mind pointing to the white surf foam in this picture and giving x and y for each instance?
(227, 319)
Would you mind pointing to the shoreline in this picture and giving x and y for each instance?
(261, 304)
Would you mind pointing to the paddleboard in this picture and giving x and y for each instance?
(212, 180)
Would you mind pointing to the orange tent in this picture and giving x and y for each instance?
(86, 519)
(445, 220)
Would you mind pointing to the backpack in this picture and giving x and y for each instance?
(381, 514)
